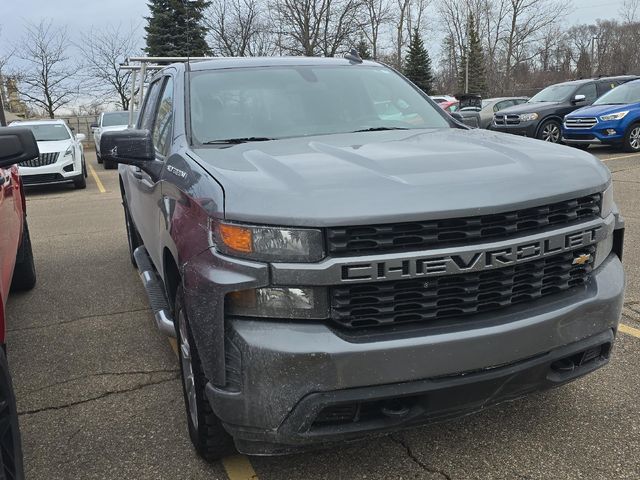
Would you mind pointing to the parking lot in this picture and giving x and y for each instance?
(99, 393)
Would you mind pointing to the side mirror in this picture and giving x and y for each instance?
(17, 145)
(93, 126)
(81, 137)
(579, 98)
(131, 147)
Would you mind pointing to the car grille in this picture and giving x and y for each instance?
(580, 122)
(578, 136)
(42, 160)
(452, 296)
(40, 179)
(511, 119)
(372, 239)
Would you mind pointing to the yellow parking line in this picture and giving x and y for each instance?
(97, 179)
(238, 467)
(174, 345)
(633, 155)
(634, 332)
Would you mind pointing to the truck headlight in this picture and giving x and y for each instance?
(528, 117)
(279, 302)
(614, 116)
(607, 202)
(269, 244)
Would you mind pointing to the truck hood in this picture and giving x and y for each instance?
(596, 110)
(57, 146)
(380, 177)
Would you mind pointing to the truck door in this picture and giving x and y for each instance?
(10, 226)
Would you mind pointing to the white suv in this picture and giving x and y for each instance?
(61, 157)
(109, 122)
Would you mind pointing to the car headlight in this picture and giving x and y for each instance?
(614, 116)
(69, 152)
(279, 302)
(607, 202)
(269, 244)
(527, 117)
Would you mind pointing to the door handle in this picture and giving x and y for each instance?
(137, 173)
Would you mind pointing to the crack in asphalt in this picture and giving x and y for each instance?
(72, 320)
(98, 397)
(101, 374)
(416, 460)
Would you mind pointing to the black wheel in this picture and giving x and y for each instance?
(632, 139)
(210, 439)
(98, 157)
(24, 273)
(133, 238)
(550, 131)
(80, 181)
(84, 167)
(108, 165)
(11, 463)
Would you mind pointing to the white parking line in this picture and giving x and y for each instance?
(633, 155)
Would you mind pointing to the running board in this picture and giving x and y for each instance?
(155, 291)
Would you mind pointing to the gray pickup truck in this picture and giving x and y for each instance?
(339, 257)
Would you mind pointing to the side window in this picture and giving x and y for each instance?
(604, 87)
(502, 105)
(146, 115)
(589, 91)
(163, 124)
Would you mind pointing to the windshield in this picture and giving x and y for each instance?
(117, 118)
(554, 93)
(622, 95)
(48, 132)
(280, 102)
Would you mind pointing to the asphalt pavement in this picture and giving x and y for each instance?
(99, 394)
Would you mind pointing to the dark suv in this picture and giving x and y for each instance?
(541, 117)
(332, 268)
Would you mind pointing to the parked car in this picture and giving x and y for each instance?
(109, 122)
(483, 117)
(613, 119)
(449, 106)
(17, 272)
(442, 98)
(331, 273)
(541, 116)
(61, 158)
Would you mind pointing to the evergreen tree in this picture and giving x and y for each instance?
(175, 28)
(477, 73)
(363, 49)
(417, 67)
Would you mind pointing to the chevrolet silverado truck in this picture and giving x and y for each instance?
(17, 272)
(332, 272)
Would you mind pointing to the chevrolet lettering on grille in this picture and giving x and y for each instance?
(469, 261)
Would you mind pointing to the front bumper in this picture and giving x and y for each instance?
(287, 374)
(607, 133)
(525, 129)
(65, 170)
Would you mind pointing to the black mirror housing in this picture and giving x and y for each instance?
(130, 147)
(17, 145)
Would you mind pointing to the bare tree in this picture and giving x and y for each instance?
(46, 78)
(239, 28)
(378, 15)
(630, 11)
(103, 50)
(316, 27)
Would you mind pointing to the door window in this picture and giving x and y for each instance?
(146, 115)
(589, 91)
(163, 124)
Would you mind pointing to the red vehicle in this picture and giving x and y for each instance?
(449, 106)
(17, 272)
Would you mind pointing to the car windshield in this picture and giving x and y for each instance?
(48, 132)
(280, 102)
(116, 119)
(554, 93)
(622, 95)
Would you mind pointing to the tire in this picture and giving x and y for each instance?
(550, 131)
(98, 157)
(133, 237)
(210, 439)
(11, 462)
(24, 273)
(80, 182)
(632, 139)
(108, 165)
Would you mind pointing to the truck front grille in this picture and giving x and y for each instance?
(42, 160)
(406, 236)
(455, 296)
(580, 122)
(510, 119)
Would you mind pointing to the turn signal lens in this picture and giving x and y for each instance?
(236, 238)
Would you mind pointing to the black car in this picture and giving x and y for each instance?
(541, 117)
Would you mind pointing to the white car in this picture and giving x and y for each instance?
(109, 122)
(61, 157)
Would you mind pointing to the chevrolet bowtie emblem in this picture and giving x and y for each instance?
(582, 259)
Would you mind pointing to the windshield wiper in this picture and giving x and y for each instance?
(379, 129)
(234, 141)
